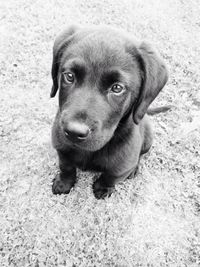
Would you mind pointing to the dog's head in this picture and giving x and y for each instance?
(102, 75)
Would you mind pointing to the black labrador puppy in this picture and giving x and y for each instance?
(106, 81)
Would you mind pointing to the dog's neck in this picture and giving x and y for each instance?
(123, 130)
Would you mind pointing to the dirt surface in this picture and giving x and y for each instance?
(151, 220)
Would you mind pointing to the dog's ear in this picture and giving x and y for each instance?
(61, 42)
(154, 77)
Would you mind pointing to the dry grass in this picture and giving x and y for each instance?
(152, 220)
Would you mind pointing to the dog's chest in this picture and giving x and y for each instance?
(88, 161)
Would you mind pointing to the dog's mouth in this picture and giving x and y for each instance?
(93, 142)
(84, 136)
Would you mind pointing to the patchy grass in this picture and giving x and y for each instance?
(151, 220)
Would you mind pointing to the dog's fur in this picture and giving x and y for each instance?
(120, 130)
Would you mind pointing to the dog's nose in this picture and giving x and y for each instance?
(76, 130)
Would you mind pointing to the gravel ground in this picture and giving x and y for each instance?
(151, 220)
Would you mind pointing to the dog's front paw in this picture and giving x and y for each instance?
(61, 186)
(101, 190)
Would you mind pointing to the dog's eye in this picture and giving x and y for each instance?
(117, 88)
(69, 77)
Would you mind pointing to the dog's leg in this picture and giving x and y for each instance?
(105, 184)
(64, 181)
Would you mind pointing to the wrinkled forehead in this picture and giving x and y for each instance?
(99, 52)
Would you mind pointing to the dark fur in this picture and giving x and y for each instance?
(119, 129)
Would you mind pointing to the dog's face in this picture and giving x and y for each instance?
(101, 75)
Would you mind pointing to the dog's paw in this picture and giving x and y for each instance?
(100, 190)
(61, 187)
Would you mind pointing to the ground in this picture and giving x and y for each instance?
(150, 220)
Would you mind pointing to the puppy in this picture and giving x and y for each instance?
(106, 81)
